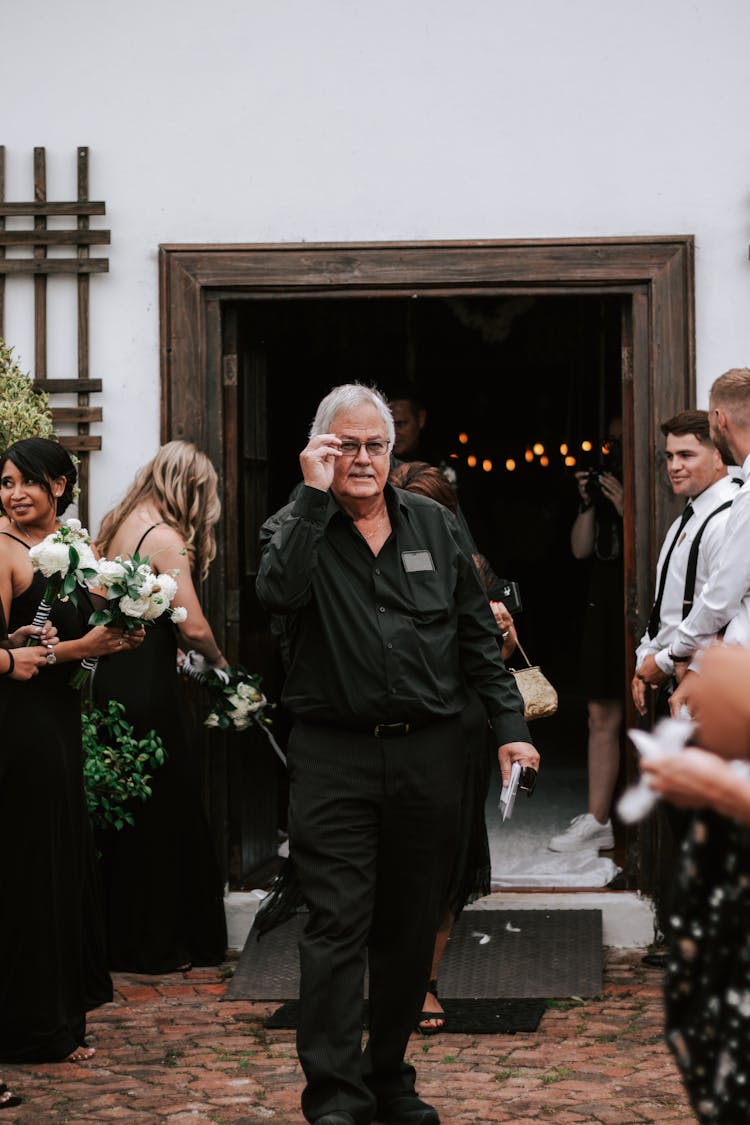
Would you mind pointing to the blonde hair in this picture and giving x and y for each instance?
(731, 391)
(182, 483)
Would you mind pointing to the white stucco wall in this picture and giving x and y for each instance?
(287, 120)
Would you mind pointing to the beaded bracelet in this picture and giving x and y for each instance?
(9, 670)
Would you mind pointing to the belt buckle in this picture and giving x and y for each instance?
(391, 730)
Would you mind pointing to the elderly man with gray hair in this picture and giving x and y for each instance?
(387, 624)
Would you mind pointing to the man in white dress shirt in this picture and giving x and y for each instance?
(724, 602)
(691, 548)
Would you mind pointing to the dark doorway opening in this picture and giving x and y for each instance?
(214, 393)
(513, 388)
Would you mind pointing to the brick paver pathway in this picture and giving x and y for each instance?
(170, 1049)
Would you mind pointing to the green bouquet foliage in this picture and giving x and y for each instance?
(24, 412)
(116, 765)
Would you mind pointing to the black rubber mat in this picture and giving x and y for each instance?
(467, 1017)
(510, 954)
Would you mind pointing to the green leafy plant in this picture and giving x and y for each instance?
(116, 765)
(24, 411)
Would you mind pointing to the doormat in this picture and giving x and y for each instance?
(467, 1017)
(507, 954)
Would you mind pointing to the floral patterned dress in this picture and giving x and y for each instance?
(707, 983)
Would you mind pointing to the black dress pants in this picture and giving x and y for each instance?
(372, 827)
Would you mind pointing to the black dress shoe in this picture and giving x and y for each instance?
(336, 1117)
(656, 960)
(406, 1110)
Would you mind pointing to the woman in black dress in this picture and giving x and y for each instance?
(596, 535)
(20, 665)
(164, 900)
(52, 964)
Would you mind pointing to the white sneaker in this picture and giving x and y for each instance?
(584, 831)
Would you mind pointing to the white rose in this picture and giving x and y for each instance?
(179, 614)
(146, 586)
(260, 703)
(240, 722)
(74, 525)
(212, 720)
(51, 558)
(155, 606)
(168, 586)
(111, 572)
(87, 558)
(133, 607)
(247, 691)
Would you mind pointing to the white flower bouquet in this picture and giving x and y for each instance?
(135, 596)
(236, 703)
(66, 560)
(236, 698)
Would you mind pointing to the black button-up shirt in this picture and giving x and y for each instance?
(388, 638)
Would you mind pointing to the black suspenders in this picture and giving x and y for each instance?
(692, 567)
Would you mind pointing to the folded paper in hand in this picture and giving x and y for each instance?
(509, 792)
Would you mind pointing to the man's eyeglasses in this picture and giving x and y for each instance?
(376, 448)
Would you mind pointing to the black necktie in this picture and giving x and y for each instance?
(654, 619)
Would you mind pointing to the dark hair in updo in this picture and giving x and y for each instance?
(42, 461)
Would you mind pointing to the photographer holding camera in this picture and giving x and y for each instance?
(597, 535)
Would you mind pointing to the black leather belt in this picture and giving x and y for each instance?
(375, 730)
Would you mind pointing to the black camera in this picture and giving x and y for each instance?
(594, 481)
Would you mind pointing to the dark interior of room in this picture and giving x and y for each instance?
(519, 377)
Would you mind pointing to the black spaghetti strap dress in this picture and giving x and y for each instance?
(164, 902)
(52, 950)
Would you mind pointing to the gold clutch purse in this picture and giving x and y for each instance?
(539, 696)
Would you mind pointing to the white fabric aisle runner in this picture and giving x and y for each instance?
(518, 847)
(555, 869)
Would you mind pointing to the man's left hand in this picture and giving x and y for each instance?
(522, 752)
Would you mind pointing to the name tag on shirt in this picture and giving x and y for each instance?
(414, 561)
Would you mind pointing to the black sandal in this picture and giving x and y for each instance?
(423, 1017)
(10, 1102)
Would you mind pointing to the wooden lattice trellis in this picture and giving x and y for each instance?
(81, 265)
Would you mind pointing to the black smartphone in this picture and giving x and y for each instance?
(508, 593)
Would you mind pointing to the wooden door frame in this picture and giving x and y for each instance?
(654, 274)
